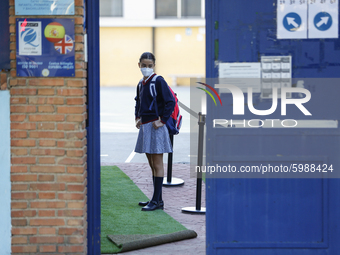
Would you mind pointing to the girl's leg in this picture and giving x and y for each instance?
(157, 163)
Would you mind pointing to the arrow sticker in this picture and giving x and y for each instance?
(291, 21)
(324, 20)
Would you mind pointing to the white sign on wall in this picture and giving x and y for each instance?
(292, 19)
(323, 18)
(302, 19)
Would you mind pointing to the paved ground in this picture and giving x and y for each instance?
(175, 198)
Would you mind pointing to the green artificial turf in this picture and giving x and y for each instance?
(121, 214)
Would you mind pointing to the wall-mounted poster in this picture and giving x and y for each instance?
(45, 47)
(44, 7)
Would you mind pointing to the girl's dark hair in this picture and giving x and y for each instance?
(147, 55)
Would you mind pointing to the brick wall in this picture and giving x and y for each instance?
(48, 155)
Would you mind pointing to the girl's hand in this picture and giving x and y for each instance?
(157, 124)
(138, 123)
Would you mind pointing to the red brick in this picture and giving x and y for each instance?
(80, 64)
(78, 3)
(77, 205)
(79, 47)
(47, 169)
(67, 126)
(46, 239)
(47, 248)
(78, 29)
(76, 118)
(24, 109)
(79, 56)
(75, 222)
(76, 101)
(46, 126)
(24, 231)
(46, 195)
(24, 178)
(19, 239)
(75, 188)
(47, 143)
(18, 187)
(53, 118)
(71, 92)
(24, 195)
(18, 134)
(18, 118)
(76, 83)
(19, 152)
(23, 160)
(54, 152)
(46, 92)
(46, 108)
(48, 186)
(46, 82)
(18, 100)
(77, 135)
(23, 126)
(19, 205)
(70, 231)
(24, 249)
(81, 74)
(72, 161)
(23, 213)
(70, 196)
(55, 100)
(46, 178)
(71, 213)
(46, 134)
(19, 222)
(75, 240)
(37, 100)
(76, 153)
(46, 213)
(18, 169)
(16, 91)
(46, 160)
(22, 143)
(76, 169)
(70, 249)
(70, 144)
(71, 109)
(47, 231)
(79, 20)
(47, 222)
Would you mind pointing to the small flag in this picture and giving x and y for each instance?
(65, 45)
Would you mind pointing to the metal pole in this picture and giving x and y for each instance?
(198, 209)
(169, 174)
(169, 180)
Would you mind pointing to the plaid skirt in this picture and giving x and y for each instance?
(153, 141)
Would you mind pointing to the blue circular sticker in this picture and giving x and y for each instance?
(323, 21)
(292, 21)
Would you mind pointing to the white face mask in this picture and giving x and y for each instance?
(146, 71)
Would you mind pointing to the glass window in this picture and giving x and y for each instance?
(191, 8)
(111, 8)
(166, 8)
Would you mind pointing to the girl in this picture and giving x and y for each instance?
(153, 138)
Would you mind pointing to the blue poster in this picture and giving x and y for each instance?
(45, 47)
(44, 7)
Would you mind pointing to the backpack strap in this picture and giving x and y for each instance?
(153, 93)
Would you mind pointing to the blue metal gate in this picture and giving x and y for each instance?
(272, 215)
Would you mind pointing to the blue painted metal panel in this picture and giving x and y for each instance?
(271, 216)
(5, 170)
(4, 31)
(93, 128)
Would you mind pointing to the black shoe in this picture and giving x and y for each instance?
(143, 203)
(151, 206)
(161, 204)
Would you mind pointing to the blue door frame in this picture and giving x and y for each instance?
(93, 128)
(271, 216)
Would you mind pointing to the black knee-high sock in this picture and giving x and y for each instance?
(160, 196)
(158, 189)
